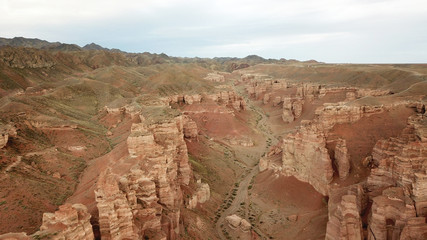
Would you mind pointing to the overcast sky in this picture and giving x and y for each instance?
(345, 31)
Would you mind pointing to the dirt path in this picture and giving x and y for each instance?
(4, 173)
(238, 198)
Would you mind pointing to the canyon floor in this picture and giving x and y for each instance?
(112, 145)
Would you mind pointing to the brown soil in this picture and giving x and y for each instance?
(277, 199)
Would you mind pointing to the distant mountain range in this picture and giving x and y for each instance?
(43, 44)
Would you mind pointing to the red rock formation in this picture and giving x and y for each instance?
(403, 160)
(229, 98)
(236, 222)
(309, 91)
(342, 158)
(415, 229)
(292, 108)
(345, 206)
(146, 201)
(190, 99)
(276, 101)
(69, 222)
(115, 213)
(304, 155)
(266, 98)
(201, 195)
(389, 214)
(190, 128)
(336, 113)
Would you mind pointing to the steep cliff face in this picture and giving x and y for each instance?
(345, 206)
(336, 113)
(146, 202)
(229, 98)
(402, 161)
(389, 214)
(309, 91)
(223, 97)
(304, 155)
(396, 187)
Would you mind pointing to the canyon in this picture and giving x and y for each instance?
(101, 144)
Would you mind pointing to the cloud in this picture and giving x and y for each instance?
(383, 30)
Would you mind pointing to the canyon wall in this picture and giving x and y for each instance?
(139, 196)
(396, 187)
(304, 155)
(146, 202)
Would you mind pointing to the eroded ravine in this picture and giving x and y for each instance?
(238, 199)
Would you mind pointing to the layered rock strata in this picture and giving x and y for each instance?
(389, 214)
(402, 161)
(396, 187)
(304, 155)
(337, 113)
(146, 202)
(345, 206)
(224, 97)
(69, 222)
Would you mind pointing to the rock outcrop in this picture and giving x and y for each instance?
(292, 108)
(389, 214)
(336, 113)
(215, 77)
(229, 98)
(69, 222)
(309, 91)
(190, 128)
(223, 97)
(236, 222)
(396, 186)
(402, 161)
(345, 206)
(304, 155)
(202, 194)
(415, 229)
(342, 158)
(6, 131)
(146, 202)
